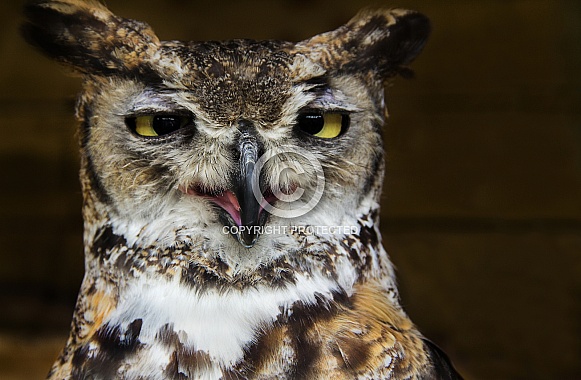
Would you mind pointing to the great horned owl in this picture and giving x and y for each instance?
(231, 202)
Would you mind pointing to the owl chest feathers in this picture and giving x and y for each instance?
(219, 323)
(305, 330)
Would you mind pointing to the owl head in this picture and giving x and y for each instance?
(227, 146)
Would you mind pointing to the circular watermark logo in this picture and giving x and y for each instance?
(286, 165)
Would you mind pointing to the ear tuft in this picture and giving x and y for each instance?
(87, 36)
(382, 41)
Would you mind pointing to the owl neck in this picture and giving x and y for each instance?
(346, 258)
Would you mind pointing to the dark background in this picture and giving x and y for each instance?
(482, 199)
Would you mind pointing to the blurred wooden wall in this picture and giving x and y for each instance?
(482, 200)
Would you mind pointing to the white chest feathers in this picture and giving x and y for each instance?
(218, 324)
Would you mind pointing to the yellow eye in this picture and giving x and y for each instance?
(144, 126)
(156, 125)
(323, 125)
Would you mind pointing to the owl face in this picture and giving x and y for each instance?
(207, 144)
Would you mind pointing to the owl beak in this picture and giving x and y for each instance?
(240, 206)
(247, 185)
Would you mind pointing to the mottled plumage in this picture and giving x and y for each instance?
(190, 271)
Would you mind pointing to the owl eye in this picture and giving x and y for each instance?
(156, 125)
(323, 125)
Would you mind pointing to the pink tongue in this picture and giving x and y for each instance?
(227, 200)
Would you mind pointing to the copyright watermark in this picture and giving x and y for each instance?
(285, 230)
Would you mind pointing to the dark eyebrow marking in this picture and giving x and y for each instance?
(318, 83)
